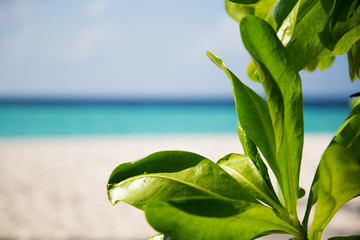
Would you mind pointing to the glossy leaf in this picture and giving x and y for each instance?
(214, 219)
(282, 10)
(253, 115)
(271, 17)
(251, 150)
(342, 28)
(244, 170)
(339, 182)
(240, 9)
(354, 61)
(299, 31)
(252, 73)
(339, 173)
(287, 28)
(171, 174)
(275, 102)
(282, 86)
(314, 192)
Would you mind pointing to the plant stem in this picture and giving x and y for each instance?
(316, 235)
(294, 221)
(302, 231)
(306, 217)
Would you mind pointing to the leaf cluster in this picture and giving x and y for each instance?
(187, 196)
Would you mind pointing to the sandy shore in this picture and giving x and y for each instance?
(54, 188)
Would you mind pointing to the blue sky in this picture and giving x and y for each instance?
(131, 49)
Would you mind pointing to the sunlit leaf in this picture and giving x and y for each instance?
(238, 11)
(271, 17)
(252, 73)
(339, 172)
(242, 8)
(214, 219)
(243, 169)
(312, 65)
(354, 61)
(323, 61)
(287, 28)
(282, 86)
(244, 1)
(171, 174)
(299, 31)
(158, 237)
(275, 102)
(342, 28)
(253, 115)
(251, 150)
(282, 10)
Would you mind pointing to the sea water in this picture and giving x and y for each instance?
(19, 120)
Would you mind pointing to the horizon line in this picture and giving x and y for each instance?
(152, 100)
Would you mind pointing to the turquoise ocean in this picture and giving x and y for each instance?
(41, 119)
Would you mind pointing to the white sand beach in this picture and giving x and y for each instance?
(55, 188)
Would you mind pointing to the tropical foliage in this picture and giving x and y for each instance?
(187, 196)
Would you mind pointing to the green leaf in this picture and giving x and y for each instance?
(299, 31)
(238, 11)
(301, 192)
(282, 10)
(252, 73)
(282, 86)
(342, 28)
(158, 237)
(286, 30)
(339, 173)
(253, 115)
(353, 237)
(171, 174)
(244, 1)
(312, 65)
(242, 8)
(244, 170)
(354, 61)
(214, 219)
(251, 150)
(312, 199)
(323, 61)
(275, 102)
(314, 191)
(271, 17)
